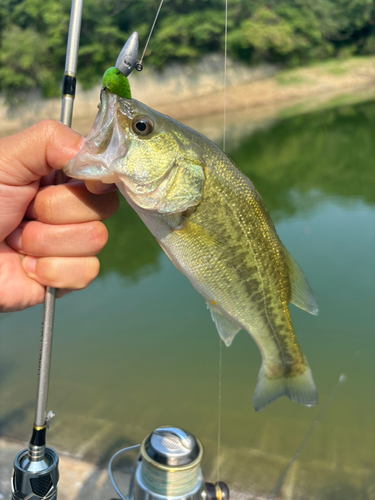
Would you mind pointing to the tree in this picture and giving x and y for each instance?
(33, 34)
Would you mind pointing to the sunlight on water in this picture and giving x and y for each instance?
(138, 349)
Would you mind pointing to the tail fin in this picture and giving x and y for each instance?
(300, 388)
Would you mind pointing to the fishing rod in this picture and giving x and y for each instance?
(35, 470)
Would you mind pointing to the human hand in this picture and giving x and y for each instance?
(49, 235)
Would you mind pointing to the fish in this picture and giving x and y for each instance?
(213, 225)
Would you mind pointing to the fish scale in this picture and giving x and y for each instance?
(233, 279)
(213, 225)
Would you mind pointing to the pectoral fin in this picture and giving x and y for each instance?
(183, 187)
(227, 330)
(302, 295)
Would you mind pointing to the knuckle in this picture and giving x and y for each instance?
(72, 273)
(86, 271)
(48, 127)
(30, 238)
(46, 205)
(92, 270)
(47, 271)
(99, 235)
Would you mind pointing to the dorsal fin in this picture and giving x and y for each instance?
(227, 330)
(301, 293)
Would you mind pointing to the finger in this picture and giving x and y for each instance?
(68, 240)
(32, 153)
(13, 204)
(62, 272)
(97, 187)
(17, 290)
(70, 203)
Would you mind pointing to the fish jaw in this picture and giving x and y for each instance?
(105, 146)
(154, 172)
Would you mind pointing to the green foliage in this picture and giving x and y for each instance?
(288, 33)
(312, 153)
(131, 251)
(33, 34)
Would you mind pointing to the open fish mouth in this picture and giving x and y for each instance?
(104, 147)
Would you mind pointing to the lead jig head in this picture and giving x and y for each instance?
(115, 78)
(128, 58)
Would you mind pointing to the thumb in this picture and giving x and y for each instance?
(34, 152)
(25, 158)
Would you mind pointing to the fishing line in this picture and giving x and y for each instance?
(152, 29)
(225, 70)
(110, 471)
(342, 379)
(220, 341)
(219, 413)
(119, 10)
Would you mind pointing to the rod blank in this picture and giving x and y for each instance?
(49, 299)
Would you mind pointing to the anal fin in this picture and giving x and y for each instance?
(227, 330)
(302, 295)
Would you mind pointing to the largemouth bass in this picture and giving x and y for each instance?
(213, 225)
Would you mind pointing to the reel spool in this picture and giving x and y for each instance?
(168, 467)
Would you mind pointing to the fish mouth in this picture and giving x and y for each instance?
(104, 147)
(85, 168)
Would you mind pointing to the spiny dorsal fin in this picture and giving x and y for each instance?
(227, 330)
(302, 295)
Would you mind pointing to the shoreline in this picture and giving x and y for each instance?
(254, 96)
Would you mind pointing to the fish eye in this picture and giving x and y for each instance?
(142, 126)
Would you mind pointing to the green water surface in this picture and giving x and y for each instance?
(138, 349)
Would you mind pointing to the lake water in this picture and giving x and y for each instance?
(138, 349)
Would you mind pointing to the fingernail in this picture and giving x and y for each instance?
(80, 144)
(74, 149)
(29, 264)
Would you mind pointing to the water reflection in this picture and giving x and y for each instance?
(132, 251)
(301, 160)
